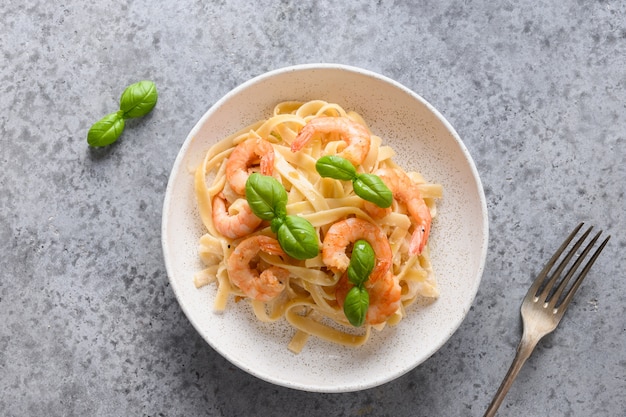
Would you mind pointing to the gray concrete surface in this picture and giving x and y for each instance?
(88, 322)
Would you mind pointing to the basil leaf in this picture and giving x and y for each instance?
(336, 167)
(362, 262)
(298, 238)
(138, 99)
(106, 130)
(371, 188)
(266, 196)
(355, 305)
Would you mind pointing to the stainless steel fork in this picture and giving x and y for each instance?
(545, 303)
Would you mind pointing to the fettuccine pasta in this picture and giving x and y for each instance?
(241, 254)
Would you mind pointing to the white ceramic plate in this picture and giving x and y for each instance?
(425, 142)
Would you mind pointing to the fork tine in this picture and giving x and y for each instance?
(548, 288)
(556, 295)
(532, 291)
(583, 273)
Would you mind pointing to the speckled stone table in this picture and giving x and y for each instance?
(88, 322)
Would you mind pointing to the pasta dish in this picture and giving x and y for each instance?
(310, 220)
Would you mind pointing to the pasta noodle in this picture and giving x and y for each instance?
(307, 298)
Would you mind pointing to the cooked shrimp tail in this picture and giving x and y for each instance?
(384, 295)
(241, 223)
(245, 155)
(407, 192)
(420, 235)
(259, 285)
(345, 232)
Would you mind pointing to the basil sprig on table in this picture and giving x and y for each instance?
(367, 186)
(361, 266)
(268, 200)
(137, 100)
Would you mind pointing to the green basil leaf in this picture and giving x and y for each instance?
(298, 238)
(355, 305)
(355, 277)
(362, 262)
(371, 188)
(138, 99)
(106, 130)
(336, 167)
(266, 196)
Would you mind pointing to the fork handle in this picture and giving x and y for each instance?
(524, 349)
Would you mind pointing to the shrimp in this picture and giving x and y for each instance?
(240, 224)
(344, 232)
(243, 156)
(263, 286)
(407, 192)
(383, 288)
(384, 296)
(354, 134)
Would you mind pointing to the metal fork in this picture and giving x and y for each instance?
(544, 304)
